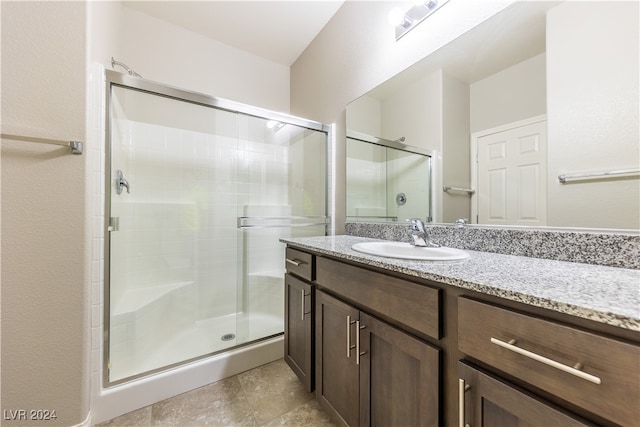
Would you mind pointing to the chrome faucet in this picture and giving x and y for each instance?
(461, 222)
(420, 235)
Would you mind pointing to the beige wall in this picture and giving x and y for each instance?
(45, 322)
(172, 55)
(592, 78)
(357, 50)
(415, 112)
(514, 94)
(455, 149)
(364, 116)
(47, 228)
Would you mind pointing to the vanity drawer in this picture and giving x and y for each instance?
(300, 263)
(545, 354)
(408, 304)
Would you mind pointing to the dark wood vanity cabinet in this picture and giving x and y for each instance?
(369, 373)
(391, 350)
(588, 371)
(372, 367)
(298, 316)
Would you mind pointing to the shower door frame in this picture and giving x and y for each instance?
(114, 78)
(431, 154)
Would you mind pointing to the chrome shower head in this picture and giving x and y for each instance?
(123, 65)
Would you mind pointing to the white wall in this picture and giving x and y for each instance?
(45, 268)
(592, 78)
(357, 50)
(514, 94)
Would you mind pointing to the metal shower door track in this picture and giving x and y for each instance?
(116, 78)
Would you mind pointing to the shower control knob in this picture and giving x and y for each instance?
(121, 182)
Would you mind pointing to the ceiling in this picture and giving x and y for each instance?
(275, 30)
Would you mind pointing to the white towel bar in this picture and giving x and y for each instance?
(447, 189)
(604, 174)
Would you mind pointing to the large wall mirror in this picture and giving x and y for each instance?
(387, 181)
(531, 117)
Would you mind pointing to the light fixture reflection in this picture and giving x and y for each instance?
(396, 15)
(275, 125)
(405, 21)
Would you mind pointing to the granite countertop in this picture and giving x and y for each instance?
(604, 294)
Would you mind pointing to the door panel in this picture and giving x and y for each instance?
(281, 194)
(336, 374)
(511, 167)
(171, 271)
(298, 331)
(490, 402)
(399, 377)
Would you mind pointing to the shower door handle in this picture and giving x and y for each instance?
(114, 224)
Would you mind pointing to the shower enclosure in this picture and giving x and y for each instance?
(387, 180)
(198, 193)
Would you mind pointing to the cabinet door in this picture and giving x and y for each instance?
(298, 331)
(336, 369)
(486, 401)
(399, 377)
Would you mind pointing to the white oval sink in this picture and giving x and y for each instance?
(408, 251)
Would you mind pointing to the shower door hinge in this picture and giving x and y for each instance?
(114, 223)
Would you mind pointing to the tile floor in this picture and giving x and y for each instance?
(269, 395)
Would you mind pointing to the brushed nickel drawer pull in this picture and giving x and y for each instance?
(358, 354)
(565, 368)
(462, 389)
(295, 262)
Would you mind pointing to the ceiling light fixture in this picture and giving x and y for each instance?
(405, 21)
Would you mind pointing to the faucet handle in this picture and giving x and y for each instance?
(417, 225)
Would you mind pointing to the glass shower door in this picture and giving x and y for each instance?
(172, 291)
(283, 194)
(197, 200)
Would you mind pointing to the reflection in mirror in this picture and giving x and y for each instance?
(569, 67)
(386, 180)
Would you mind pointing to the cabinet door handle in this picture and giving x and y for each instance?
(462, 389)
(565, 368)
(302, 305)
(295, 262)
(349, 346)
(358, 354)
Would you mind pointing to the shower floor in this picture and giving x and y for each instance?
(203, 337)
